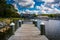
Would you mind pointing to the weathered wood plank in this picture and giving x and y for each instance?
(28, 32)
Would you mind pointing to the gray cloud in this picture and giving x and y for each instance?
(56, 1)
(25, 3)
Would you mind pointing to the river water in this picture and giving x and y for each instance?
(52, 28)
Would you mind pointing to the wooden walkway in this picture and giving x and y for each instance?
(27, 32)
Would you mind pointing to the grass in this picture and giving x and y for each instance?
(9, 20)
(7, 31)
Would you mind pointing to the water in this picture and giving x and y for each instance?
(52, 29)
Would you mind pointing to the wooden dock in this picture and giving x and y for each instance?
(28, 32)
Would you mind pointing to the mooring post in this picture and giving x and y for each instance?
(42, 28)
(35, 22)
(12, 25)
(20, 23)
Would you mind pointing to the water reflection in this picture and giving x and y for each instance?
(52, 28)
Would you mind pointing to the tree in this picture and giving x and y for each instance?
(7, 10)
(2, 7)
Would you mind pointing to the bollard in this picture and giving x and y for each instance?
(35, 22)
(42, 28)
(17, 24)
(12, 25)
(20, 23)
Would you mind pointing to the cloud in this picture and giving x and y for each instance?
(38, 7)
(47, 9)
(43, 7)
(32, 11)
(49, 6)
(56, 1)
(25, 3)
(43, 11)
(22, 12)
(48, 0)
(27, 11)
(32, 5)
(52, 7)
(55, 10)
(15, 6)
(35, 11)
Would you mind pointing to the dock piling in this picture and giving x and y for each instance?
(42, 28)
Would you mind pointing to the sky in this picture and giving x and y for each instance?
(36, 6)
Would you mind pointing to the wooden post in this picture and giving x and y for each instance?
(42, 28)
(12, 25)
(35, 22)
(20, 23)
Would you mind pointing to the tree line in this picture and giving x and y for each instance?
(51, 15)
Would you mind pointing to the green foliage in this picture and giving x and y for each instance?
(34, 15)
(51, 15)
(7, 10)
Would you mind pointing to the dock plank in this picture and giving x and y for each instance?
(28, 32)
